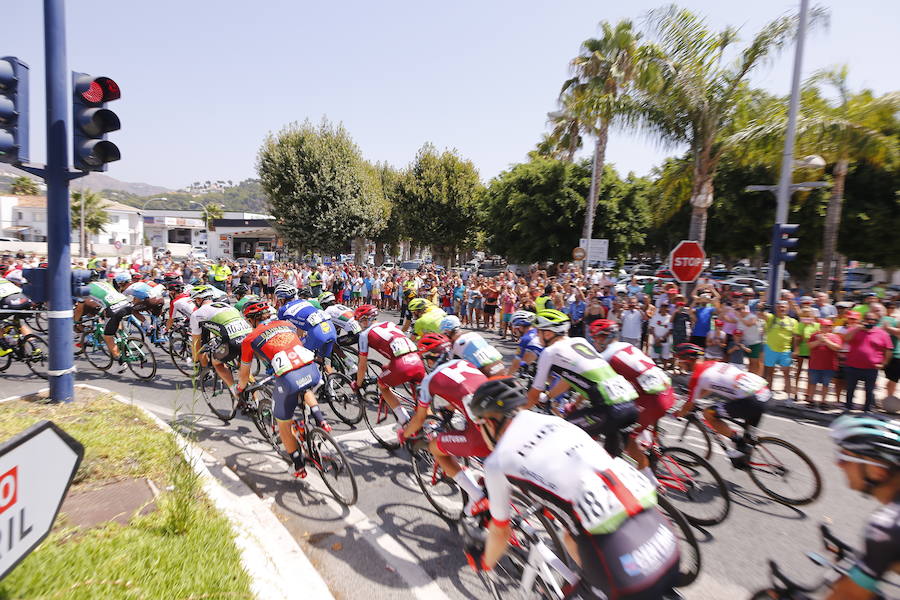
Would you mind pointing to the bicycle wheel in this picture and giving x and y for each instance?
(689, 432)
(216, 395)
(333, 466)
(690, 563)
(441, 491)
(95, 351)
(180, 352)
(132, 327)
(264, 417)
(140, 358)
(5, 360)
(36, 354)
(692, 485)
(783, 472)
(39, 320)
(345, 404)
(378, 415)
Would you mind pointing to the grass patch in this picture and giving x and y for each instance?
(185, 550)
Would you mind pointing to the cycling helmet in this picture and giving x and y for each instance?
(522, 318)
(433, 345)
(449, 323)
(122, 278)
(94, 276)
(497, 397)
(137, 277)
(202, 292)
(418, 304)
(688, 350)
(240, 290)
(365, 311)
(305, 293)
(285, 291)
(256, 310)
(604, 327)
(552, 320)
(171, 277)
(326, 299)
(871, 436)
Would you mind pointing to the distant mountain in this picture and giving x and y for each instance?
(94, 181)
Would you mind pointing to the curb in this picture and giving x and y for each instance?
(269, 554)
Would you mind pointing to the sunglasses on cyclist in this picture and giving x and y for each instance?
(840, 457)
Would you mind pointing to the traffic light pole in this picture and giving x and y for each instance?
(59, 227)
(783, 193)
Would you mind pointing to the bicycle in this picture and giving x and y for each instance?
(133, 351)
(374, 401)
(318, 446)
(689, 482)
(179, 347)
(785, 588)
(215, 392)
(769, 461)
(31, 349)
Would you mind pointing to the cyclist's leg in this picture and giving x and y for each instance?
(227, 350)
(406, 369)
(309, 398)
(468, 442)
(286, 396)
(110, 329)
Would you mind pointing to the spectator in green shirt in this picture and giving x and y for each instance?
(220, 274)
(779, 344)
(806, 326)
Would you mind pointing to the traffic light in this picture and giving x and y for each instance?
(784, 242)
(13, 110)
(91, 121)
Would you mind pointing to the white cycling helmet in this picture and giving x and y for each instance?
(522, 318)
(285, 291)
(202, 292)
(869, 435)
(449, 323)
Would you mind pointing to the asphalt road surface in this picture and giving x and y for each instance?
(392, 544)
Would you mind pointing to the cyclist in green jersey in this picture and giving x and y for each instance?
(103, 297)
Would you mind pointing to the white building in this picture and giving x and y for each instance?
(163, 227)
(25, 217)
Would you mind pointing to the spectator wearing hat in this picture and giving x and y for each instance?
(842, 310)
(824, 347)
(704, 305)
(716, 341)
(806, 302)
(779, 344)
(748, 323)
(806, 326)
(869, 348)
(736, 350)
(681, 319)
(661, 335)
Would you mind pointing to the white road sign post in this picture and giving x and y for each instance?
(597, 249)
(36, 468)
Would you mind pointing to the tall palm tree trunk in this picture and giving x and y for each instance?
(701, 200)
(832, 224)
(596, 176)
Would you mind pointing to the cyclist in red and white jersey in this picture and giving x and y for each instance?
(742, 395)
(653, 386)
(180, 303)
(450, 382)
(404, 363)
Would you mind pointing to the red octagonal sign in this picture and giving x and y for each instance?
(686, 261)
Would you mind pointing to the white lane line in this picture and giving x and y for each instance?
(364, 434)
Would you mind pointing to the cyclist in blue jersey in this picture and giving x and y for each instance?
(318, 331)
(530, 346)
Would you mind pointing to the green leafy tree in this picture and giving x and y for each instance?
(320, 189)
(24, 186)
(96, 218)
(701, 97)
(439, 198)
(869, 227)
(213, 211)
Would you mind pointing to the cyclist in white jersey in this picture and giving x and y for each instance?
(611, 398)
(624, 546)
(472, 347)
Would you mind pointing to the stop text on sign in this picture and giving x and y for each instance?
(688, 261)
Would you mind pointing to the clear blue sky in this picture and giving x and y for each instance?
(205, 80)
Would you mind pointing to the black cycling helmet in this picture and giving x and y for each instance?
(240, 290)
(688, 350)
(497, 398)
(305, 293)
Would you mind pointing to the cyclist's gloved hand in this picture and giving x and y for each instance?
(401, 434)
(354, 386)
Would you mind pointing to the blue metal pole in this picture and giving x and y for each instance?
(59, 229)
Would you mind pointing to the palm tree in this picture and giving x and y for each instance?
(23, 186)
(603, 73)
(95, 215)
(213, 211)
(699, 102)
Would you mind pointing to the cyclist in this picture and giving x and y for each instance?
(522, 323)
(449, 382)
(101, 296)
(243, 296)
(404, 363)
(624, 547)
(145, 298)
(472, 347)
(180, 303)
(426, 317)
(654, 388)
(295, 371)
(341, 316)
(223, 321)
(610, 396)
(12, 298)
(317, 331)
(869, 455)
(741, 395)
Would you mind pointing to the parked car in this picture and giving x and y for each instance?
(858, 279)
(741, 282)
(665, 274)
(388, 264)
(721, 274)
(411, 265)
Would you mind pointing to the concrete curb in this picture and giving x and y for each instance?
(269, 554)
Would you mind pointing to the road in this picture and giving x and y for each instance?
(393, 545)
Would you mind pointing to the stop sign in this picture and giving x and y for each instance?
(686, 261)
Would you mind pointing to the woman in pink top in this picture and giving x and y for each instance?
(507, 307)
(869, 348)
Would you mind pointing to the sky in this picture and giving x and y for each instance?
(204, 81)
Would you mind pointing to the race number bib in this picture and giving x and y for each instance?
(354, 328)
(8, 288)
(315, 318)
(288, 360)
(119, 305)
(750, 383)
(654, 381)
(597, 507)
(618, 390)
(486, 356)
(401, 346)
(237, 328)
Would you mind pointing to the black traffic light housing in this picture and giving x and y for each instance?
(13, 111)
(785, 242)
(92, 120)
